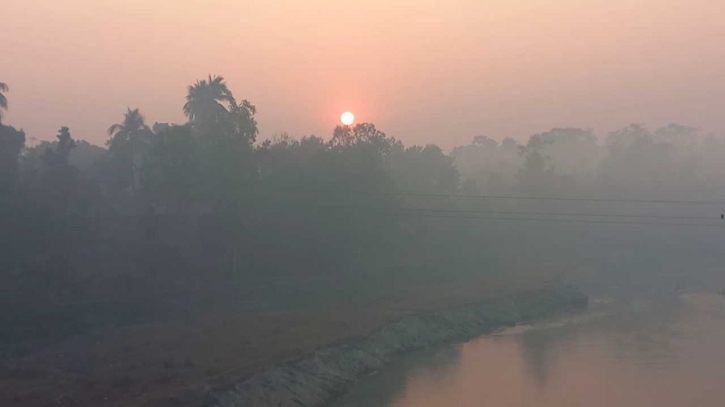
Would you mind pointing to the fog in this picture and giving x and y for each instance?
(205, 219)
(654, 196)
(183, 217)
(163, 226)
(423, 71)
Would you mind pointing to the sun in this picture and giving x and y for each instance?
(347, 118)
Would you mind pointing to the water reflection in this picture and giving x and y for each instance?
(539, 349)
(663, 352)
(385, 387)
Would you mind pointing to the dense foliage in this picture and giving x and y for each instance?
(180, 217)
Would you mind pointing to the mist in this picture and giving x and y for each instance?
(170, 233)
(423, 71)
(203, 219)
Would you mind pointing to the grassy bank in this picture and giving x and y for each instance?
(176, 362)
(320, 376)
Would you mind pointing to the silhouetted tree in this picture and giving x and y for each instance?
(12, 142)
(216, 116)
(361, 133)
(57, 174)
(171, 172)
(487, 166)
(85, 156)
(208, 101)
(636, 160)
(244, 125)
(204, 213)
(424, 169)
(129, 141)
(3, 99)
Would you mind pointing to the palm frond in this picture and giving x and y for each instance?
(115, 129)
(3, 100)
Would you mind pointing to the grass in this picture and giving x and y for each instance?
(174, 362)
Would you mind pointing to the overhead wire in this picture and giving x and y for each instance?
(541, 198)
(494, 212)
(538, 216)
(529, 198)
(559, 220)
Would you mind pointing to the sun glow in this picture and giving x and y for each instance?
(347, 118)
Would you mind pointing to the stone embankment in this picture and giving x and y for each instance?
(323, 375)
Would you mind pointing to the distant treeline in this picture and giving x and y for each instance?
(177, 217)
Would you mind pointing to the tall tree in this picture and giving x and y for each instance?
(128, 143)
(171, 171)
(208, 100)
(423, 169)
(3, 99)
(65, 144)
(243, 123)
(55, 159)
(362, 133)
(58, 176)
(132, 127)
(215, 114)
(12, 142)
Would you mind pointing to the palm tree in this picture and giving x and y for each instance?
(206, 100)
(133, 122)
(128, 140)
(3, 99)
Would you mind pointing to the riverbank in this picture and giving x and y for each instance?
(615, 354)
(319, 377)
(188, 362)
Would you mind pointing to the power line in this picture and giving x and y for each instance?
(597, 215)
(457, 213)
(561, 220)
(502, 197)
(532, 198)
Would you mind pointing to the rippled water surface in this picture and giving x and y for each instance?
(665, 352)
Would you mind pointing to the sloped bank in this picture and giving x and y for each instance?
(321, 376)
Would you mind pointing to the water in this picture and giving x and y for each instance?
(664, 352)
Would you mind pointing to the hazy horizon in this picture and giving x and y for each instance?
(422, 72)
(509, 159)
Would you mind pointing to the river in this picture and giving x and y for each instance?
(668, 351)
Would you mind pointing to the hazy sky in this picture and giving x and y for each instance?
(422, 70)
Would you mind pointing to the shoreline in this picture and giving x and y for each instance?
(319, 377)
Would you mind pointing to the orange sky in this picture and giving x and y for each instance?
(422, 70)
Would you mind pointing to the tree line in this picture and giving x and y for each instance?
(176, 218)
